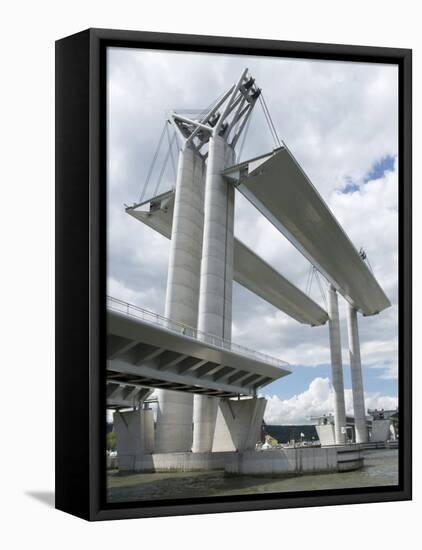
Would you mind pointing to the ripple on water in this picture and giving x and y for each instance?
(380, 469)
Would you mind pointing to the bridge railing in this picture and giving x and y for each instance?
(121, 306)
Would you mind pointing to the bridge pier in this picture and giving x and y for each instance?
(175, 409)
(215, 296)
(238, 424)
(336, 367)
(356, 372)
(134, 436)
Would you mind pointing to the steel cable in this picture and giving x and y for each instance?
(141, 198)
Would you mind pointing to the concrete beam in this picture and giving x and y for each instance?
(117, 345)
(191, 364)
(250, 270)
(170, 359)
(145, 353)
(223, 373)
(161, 377)
(281, 191)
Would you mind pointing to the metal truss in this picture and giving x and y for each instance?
(227, 118)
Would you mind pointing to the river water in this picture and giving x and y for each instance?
(381, 468)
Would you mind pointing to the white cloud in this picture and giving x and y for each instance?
(369, 216)
(146, 299)
(338, 119)
(317, 400)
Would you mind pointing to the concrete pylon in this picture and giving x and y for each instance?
(134, 436)
(336, 367)
(238, 424)
(215, 296)
(175, 409)
(356, 373)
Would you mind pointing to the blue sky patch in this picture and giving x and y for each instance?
(350, 188)
(377, 171)
(386, 164)
(302, 376)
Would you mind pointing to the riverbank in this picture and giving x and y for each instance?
(380, 469)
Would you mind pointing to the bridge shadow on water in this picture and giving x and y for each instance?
(183, 485)
(380, 469)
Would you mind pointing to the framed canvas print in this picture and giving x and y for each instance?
(233, 274)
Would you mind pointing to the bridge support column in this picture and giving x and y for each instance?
(238, 426)
(336, 367)
(134, 437)
(215, 297)
(380, 431)
(356, 372)
(175, 409)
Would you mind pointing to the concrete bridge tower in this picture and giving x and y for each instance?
(174, 414)
(215, 298)
(356, 374)
(200, 272)
(336, 367)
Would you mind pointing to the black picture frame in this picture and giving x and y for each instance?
(81, 270)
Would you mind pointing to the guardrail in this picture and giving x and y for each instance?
(154, 318)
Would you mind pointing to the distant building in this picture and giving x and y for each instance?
(286, 433)
(381, 425)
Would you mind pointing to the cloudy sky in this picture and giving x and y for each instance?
(340, 122)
